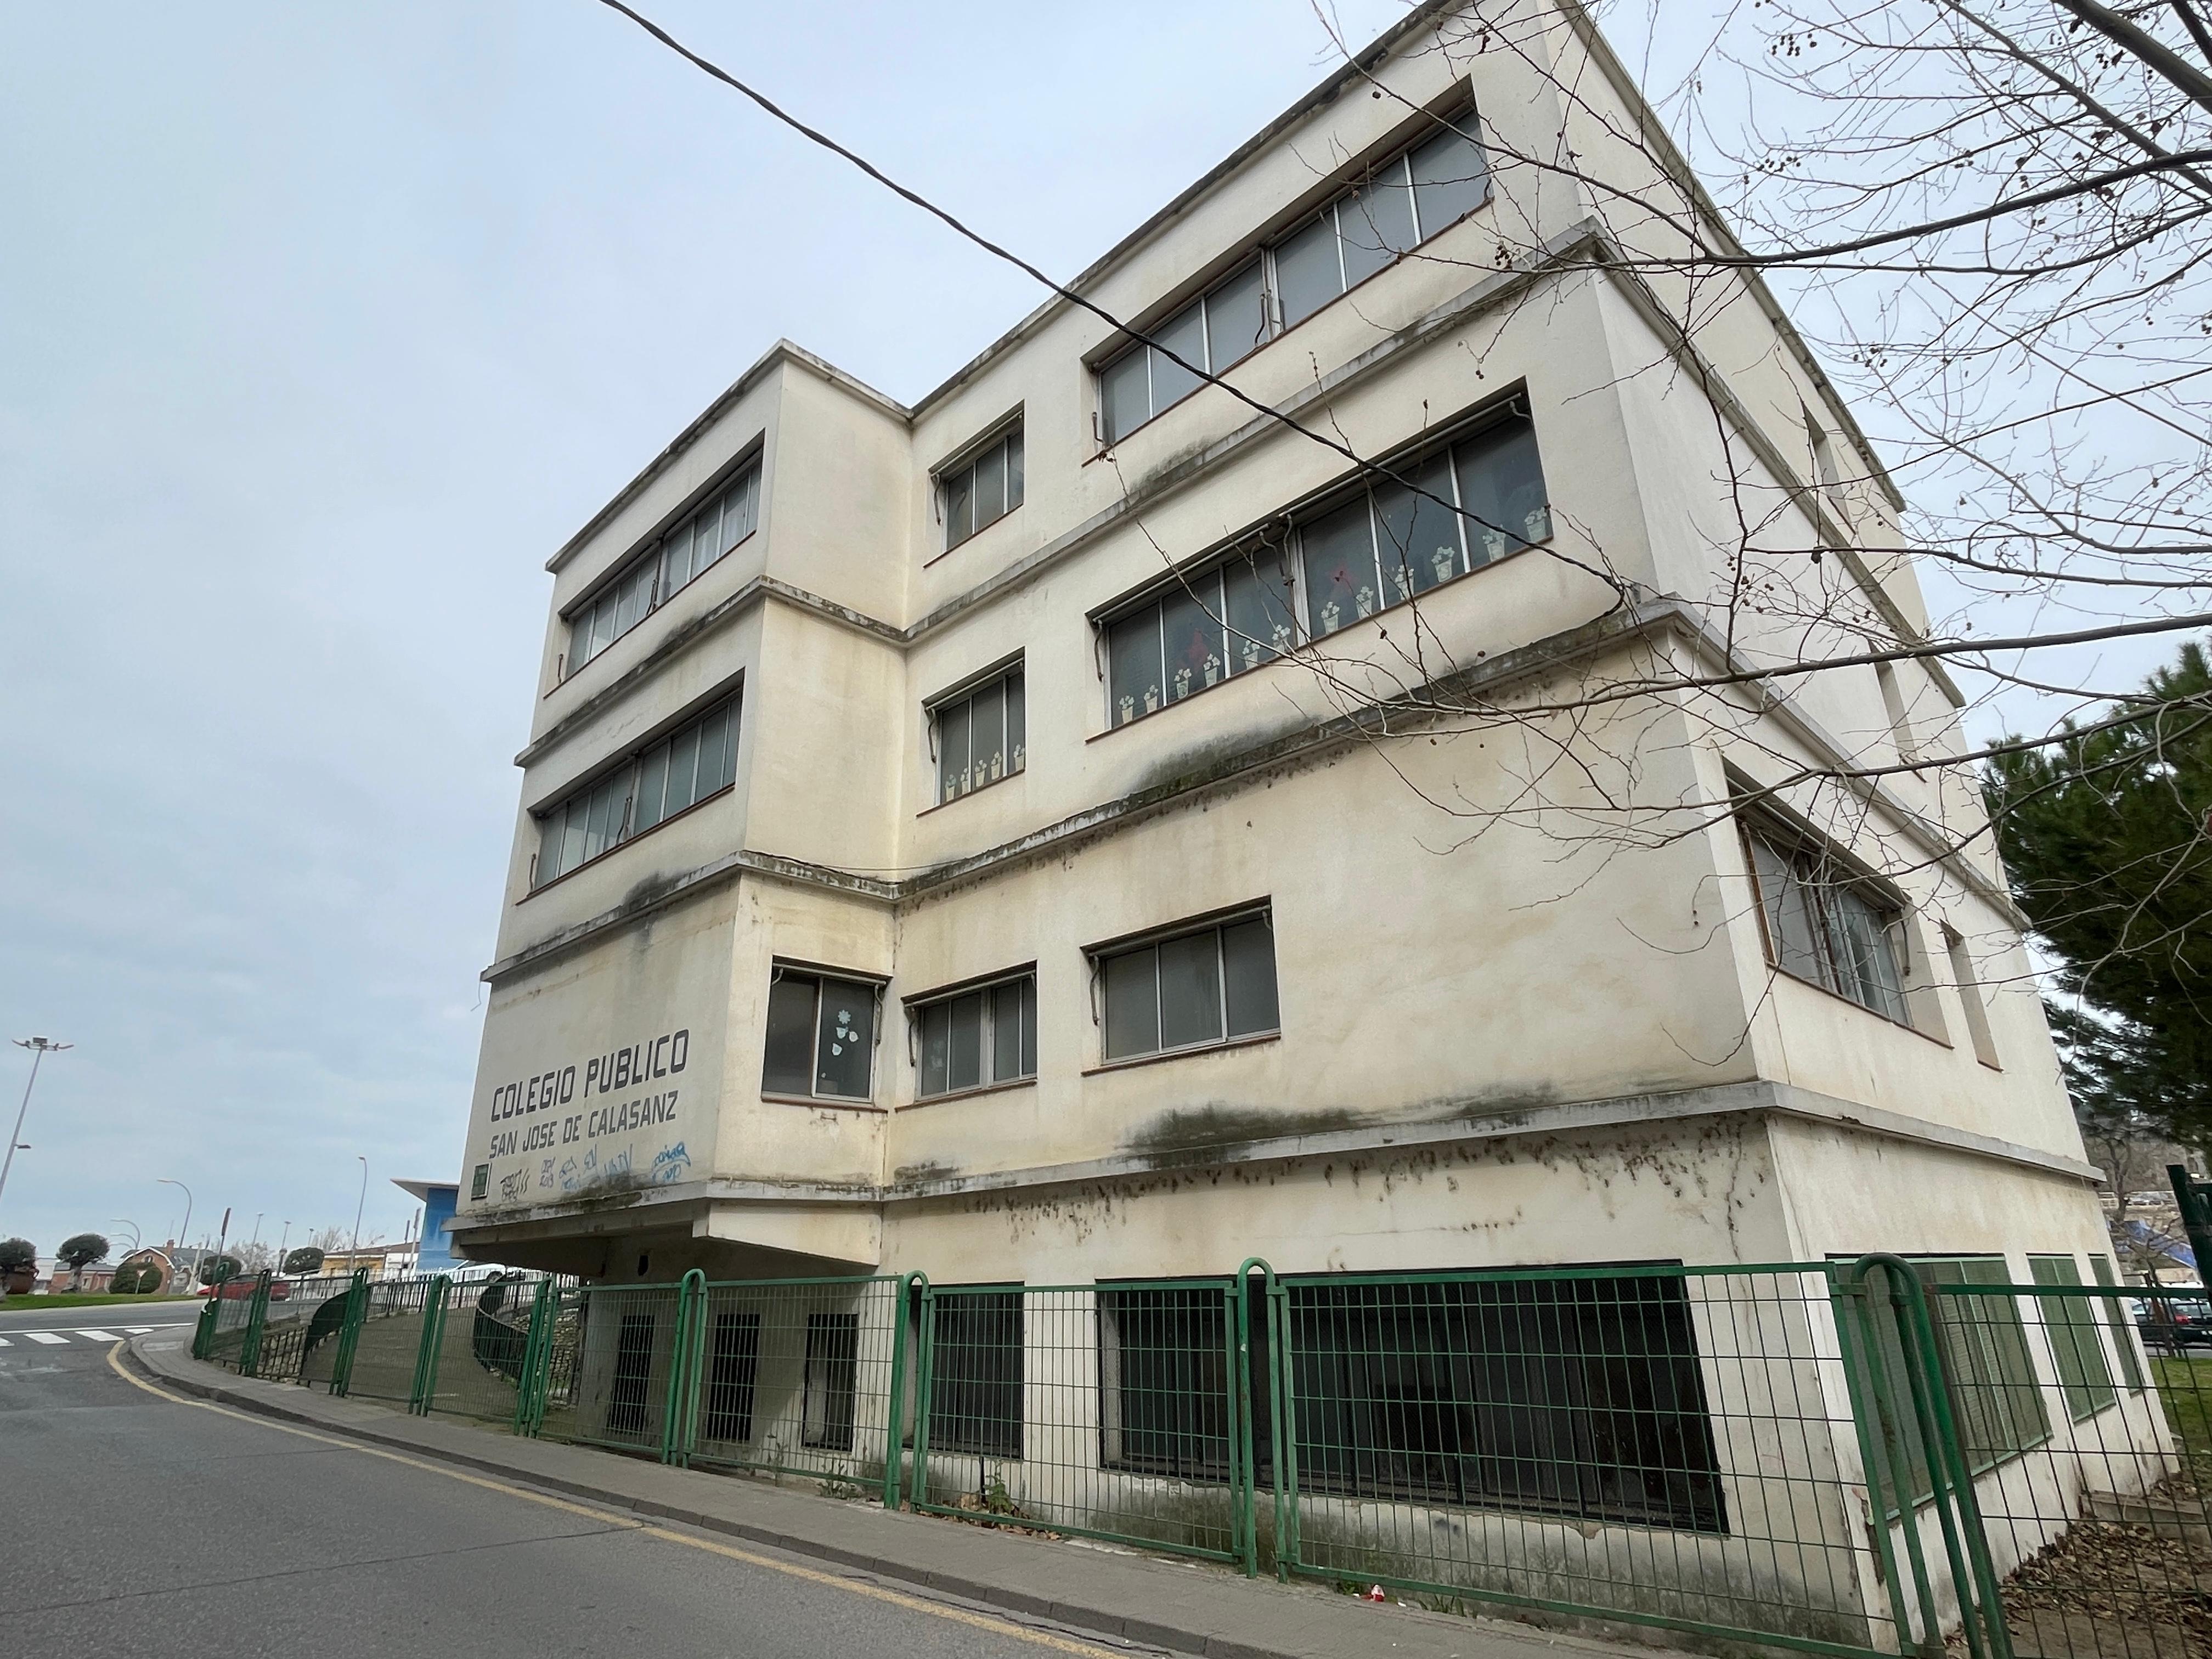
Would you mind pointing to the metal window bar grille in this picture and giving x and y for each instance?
(610, 1360)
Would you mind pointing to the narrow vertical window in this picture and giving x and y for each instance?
(1970, 999)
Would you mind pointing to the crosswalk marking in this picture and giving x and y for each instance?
(60, 1339)
(101, 1336)
(50, 1338)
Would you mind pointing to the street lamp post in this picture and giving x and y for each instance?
(39, 1048)
(184, 1232)
(362, 1204)
(286, 1238)
(124, 1221)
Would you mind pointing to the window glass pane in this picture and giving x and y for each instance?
(1501, 490)
(1449, 177)
(748, 509)
(1028, 1027)
(1792, 932)
(1418, 530)
(1013, 471)
(1184, 334)
(1236, 318)
(1017, 723)
(1133, 1011)
(600, 820)
(1306, 274)
(1376, 222)
(1341, 580)
(789, 1068)
(707, 532)
(842, 1052)
(936, 1048)
(1256, 595)
(683, 767)
(1124, 395)
(1132, 651)
(1191, 625)
(966, 1040)
(675, 561)
(629, 599)
(987, 733)
(1190, 990)
(1248, 955)
(1866, 965)
(990, 485)
(602, 627)
(572, 834)
(549, 829)
(960, 506)
(714, 754)
(952, 773)
(652, 785)
(2117, 1320)
(1007, 1025)
(2084, 1380)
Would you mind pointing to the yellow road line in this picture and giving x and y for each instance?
(812, 1575)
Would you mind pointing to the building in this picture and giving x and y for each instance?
(435, 1253)
(965, 838)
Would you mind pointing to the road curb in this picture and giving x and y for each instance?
(1466, 1636)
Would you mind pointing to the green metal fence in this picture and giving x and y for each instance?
(1873, 1456)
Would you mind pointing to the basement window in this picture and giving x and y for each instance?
(975, 1371)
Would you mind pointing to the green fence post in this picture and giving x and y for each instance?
(425, 1382)
(204, 1333)
(1874, 1415)
(356, 1316)
(903, 1291)
(924, 1381)
(1284, 1436)
(1950, 1476)
(1244, 1450)
(534, 1347)
(676, 1417)
(257, 1321)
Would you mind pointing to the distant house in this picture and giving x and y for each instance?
(94, 1280)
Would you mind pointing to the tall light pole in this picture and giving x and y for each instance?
(281, 1244)
(184, 1232)
(357, 1208)
(124, 1221)
(256, 1229)
(39, 1048)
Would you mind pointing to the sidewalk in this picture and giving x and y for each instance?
(1185, 1607)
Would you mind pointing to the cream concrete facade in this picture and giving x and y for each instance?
(1505, 1039)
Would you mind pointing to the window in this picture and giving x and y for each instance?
(630, 1394)
(820, 1035)
(1575, 1397)
(1190, 990)
(833, 1366)
(1163, 1371)
(976, 1372)
(696, 760)
(1970, 999)
(1822, 927)
(1460, 508)
(1401, 203)
(984, 491)
(979, 1037)
(2122, 1327)
(732, 1372)
(656, 574)
(2085, 1382)
(1984, 1353)
(981, 736)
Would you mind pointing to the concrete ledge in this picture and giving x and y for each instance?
(1185, 1607)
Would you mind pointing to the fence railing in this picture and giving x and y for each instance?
(1878, 1457)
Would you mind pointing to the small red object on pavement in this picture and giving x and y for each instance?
(1378, 1594)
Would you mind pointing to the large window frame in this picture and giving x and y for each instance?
(1131, 980)
(672, 561)
(1350, 555)
(1824, 923)
(1440, 177)
(988, 483)
(843, 1017)
(979, 732)
(1002, 1052)
(639, 794)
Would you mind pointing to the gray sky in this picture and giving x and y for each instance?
(320, 328)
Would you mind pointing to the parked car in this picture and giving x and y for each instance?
(2173, 1322)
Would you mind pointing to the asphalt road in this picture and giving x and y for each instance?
(142, 1524)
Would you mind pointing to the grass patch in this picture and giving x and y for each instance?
(2182, 1389)
(83, 1299)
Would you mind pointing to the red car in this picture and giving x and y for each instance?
(241, 1287)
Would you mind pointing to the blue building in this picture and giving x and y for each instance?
(435, 1248)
